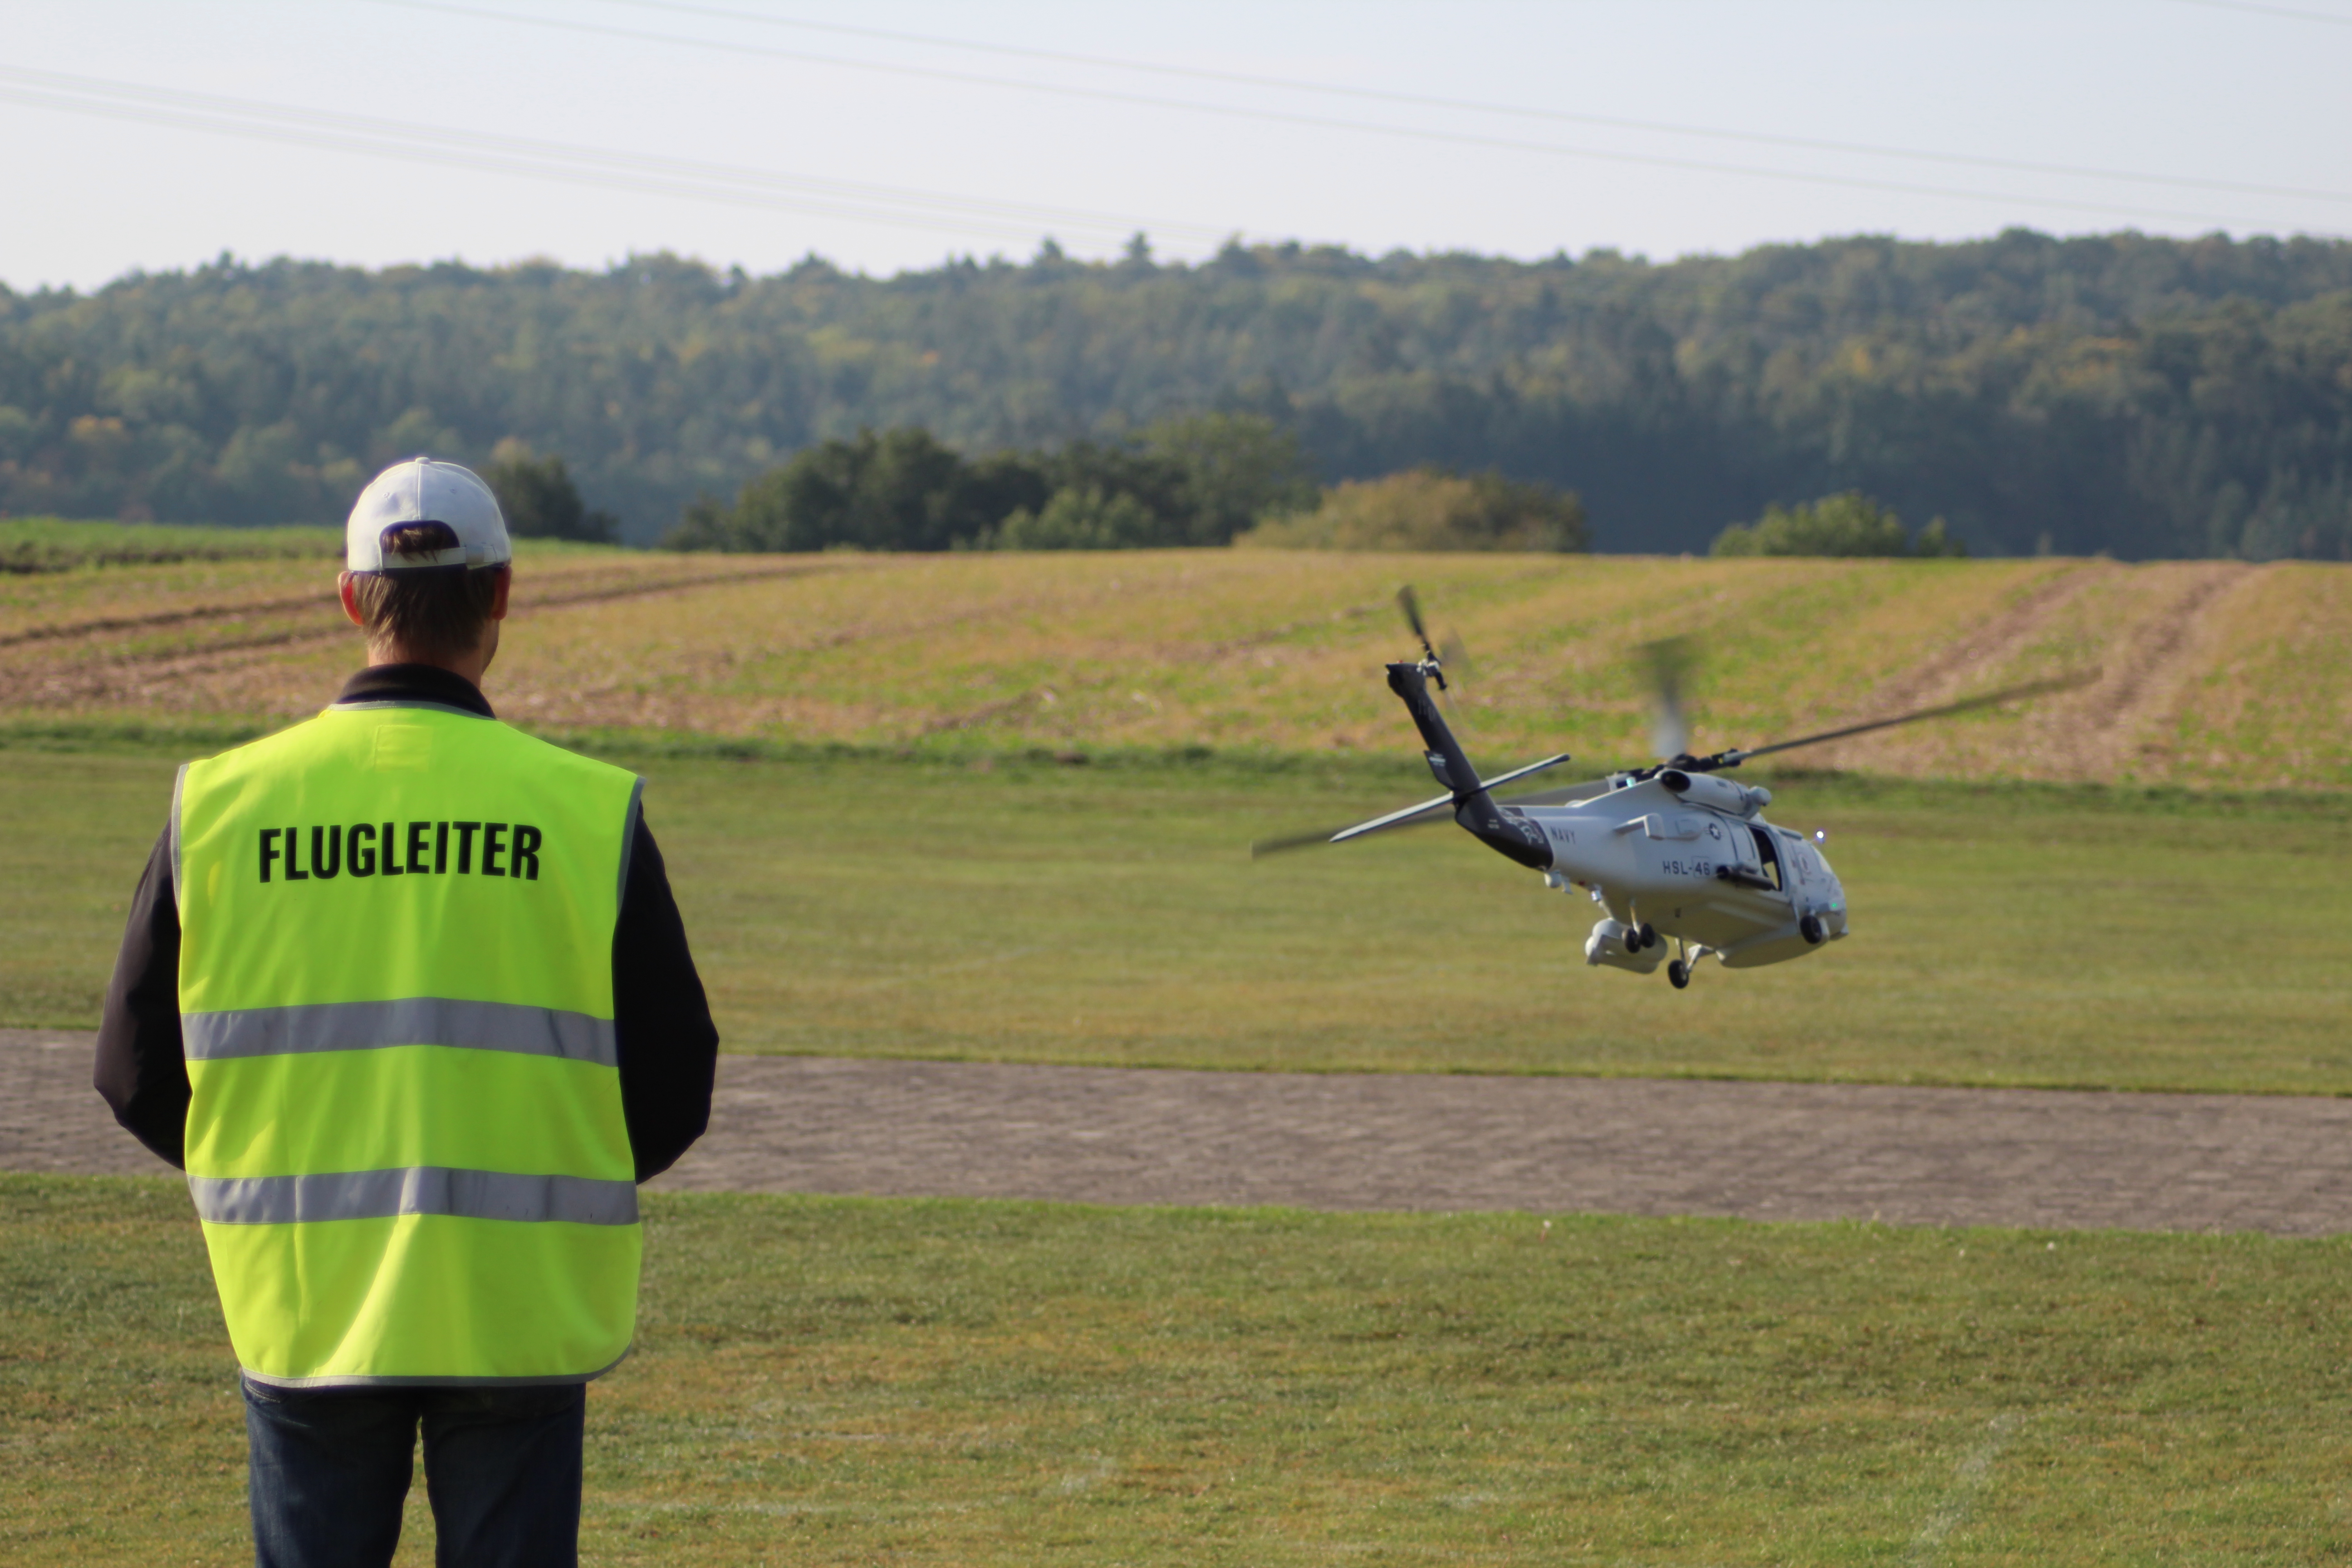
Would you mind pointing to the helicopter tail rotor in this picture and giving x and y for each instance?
(1454, 654)
(1437, 658)
(1409, 602)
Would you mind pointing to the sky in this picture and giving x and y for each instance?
(889, 135)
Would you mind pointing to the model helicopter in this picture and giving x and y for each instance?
(1673, 853)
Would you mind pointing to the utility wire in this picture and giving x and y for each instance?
(1282, 117)
(2289, 12)
(523, 155)
(1519, 111)
(328, 141)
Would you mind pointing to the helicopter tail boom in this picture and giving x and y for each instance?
(1506, 831)
(1445, 756)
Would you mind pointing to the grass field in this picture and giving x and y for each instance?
(40, 545)
(1027, 910)
(2214, 673)
(934, 890)
(852, 772)
(843, 1381)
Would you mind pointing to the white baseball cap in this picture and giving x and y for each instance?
(424, 490)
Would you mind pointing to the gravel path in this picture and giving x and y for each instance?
(1760, 1150)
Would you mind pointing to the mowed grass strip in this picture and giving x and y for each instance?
(1016, 909)
(848, 1381)
(46, 544)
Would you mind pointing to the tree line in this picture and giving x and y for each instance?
(1194, 479)
(2138, 396)
(1188, 482)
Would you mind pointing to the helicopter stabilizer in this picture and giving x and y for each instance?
(1434, 810)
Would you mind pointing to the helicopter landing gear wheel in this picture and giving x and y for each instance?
(1678, 974)
(1813, 931)
(1648, 934)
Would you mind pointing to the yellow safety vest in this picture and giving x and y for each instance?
(406, 1142)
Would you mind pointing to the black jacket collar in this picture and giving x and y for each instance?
(405, 684)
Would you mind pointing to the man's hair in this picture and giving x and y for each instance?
(432, 612)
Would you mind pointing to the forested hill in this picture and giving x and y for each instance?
(2142, 396)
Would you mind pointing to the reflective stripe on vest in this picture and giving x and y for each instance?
(420, 1189)
(405, 1139)
(410, 1021)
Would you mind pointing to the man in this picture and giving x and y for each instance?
(406, 994)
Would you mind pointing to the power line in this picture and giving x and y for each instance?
(552, 160)
(2289, 12)
(317, 141)
(1451, 137)
(1520, 111)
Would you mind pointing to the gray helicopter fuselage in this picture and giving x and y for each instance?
(1677, 855)
(1698, 864)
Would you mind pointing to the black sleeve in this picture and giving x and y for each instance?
(669, 1047)
(141, 1069)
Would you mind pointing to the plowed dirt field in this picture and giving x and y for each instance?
(2209, 672)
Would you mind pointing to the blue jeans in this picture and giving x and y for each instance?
(331, 1467)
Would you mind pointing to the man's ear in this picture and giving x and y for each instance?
(498, 594)
(352, 603)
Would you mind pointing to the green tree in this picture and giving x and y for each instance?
(1191, 480)
(539, 499)
(898, 489)
(1936, 540)
(1847, 523)
(1430, 508)
(706, 524)
(1083, 517)
(1154, 488)
(1238, 468)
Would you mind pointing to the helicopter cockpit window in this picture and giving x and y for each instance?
(1798, 856)
(1769, 856)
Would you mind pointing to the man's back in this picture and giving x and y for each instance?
(406, 992)
(405, 1138)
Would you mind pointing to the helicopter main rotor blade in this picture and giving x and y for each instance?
(2068, 682)
(1568, 794)
(1441, 809)
(1666, 662)
(1263, 847)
